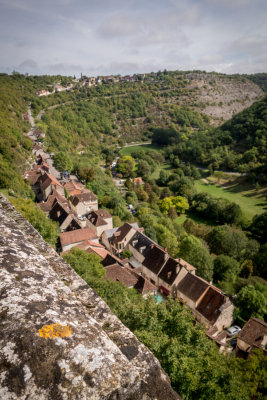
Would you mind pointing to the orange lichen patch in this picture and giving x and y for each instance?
(54, 330)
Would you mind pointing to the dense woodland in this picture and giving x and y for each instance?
(85, 129)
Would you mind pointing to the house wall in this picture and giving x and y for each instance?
(100, 229)
(138, 256)
(109, 223)
(200, 318)
(190, 303)
(173, 288)
(46, 192)
(124, 242)
(243, 345)
(105, 242)
(94, 206)
(69, 246)
(225, 319)
(150, 275)
(59, 189)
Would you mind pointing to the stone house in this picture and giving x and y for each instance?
(106, 257)
(209, 305)
(139, 246)
(62, 214)
(118, 273)
(51, 200)
(252, 336)
(47, 183)
(101, 220)
(83, 203)
(119, 240)
(153, 262)
(163, 270)
(172, 272)
(73, 187)
(73, 238)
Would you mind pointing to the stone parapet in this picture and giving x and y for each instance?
(58, 338)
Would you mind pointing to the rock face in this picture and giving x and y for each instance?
(58, 339)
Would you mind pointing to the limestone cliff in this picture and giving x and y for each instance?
(58, 339)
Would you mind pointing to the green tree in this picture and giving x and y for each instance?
(225, 268)
(179, 203)
(246, 269)
(229, 241)
(87, 174)
(126, 166)
(260, 261)
(193, 251)
(254, 373)
(259, 227)
(167, 239)
(47, 228)
(250, 303)
(62, 161)
(163, 177)
(88, 266)
(143, 168)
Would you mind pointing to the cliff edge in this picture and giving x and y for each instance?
(58, 338)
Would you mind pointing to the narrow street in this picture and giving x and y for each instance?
(52, 170)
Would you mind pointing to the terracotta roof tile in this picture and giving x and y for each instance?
(155, 259)
(79, 235)
(85, 196)
(210, 305)
(253, 332)
(120, 234)
(95, 219)
(103, 213)
(32, 176)
(169, 272)
(192, 286)
(143, 286)
(116, 272)
(73, 186)
(52, 198)
(46, 179)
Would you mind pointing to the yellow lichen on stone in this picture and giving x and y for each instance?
(54, 330)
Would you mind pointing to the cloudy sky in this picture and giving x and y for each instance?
(99, 37)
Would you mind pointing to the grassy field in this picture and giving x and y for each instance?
(250, 200)
(126, 151)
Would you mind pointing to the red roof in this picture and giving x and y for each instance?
(32, 176)
(47, 179)
(73, 187)
(120, 233)
(117, 273)
(144, 286)
(79, 235)
(253, 332)
(52, 198)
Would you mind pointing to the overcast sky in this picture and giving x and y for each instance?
(99, 37)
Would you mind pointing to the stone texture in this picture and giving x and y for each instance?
(101, 359)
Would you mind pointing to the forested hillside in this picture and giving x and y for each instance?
(86, 129)
(239, 144)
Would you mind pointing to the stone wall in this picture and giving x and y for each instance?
(58, 339)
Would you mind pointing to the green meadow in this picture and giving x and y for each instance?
(250, 200)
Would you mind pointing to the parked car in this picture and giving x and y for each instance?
(233, 330)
